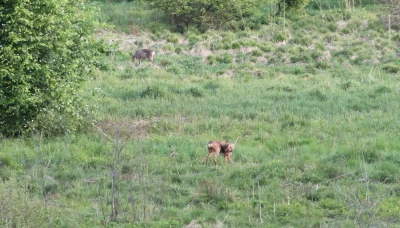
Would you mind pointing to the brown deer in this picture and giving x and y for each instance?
(143, 54)
(225, 148)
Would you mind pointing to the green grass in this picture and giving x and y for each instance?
(315, 109)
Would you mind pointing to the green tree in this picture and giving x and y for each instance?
(46, 53)
(206, 14)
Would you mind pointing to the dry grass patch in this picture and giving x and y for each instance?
(125, 128)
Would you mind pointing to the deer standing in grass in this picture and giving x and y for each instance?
(143, 54)
(225, 148)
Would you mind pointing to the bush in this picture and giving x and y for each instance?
(46, 53)
(205, 14)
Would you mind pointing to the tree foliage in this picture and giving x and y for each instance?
(46, 53)
(206, 14)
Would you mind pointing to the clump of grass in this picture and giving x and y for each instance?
(267, 47)
(386, 172)
(257, 52)
(300, 54)
(178, 50)
(193, 39)
(213, 86)
(224, 58)
(154, 92)
(7, 161)
(323, 65)
(168, 47)
(236, 45)
(331, 37)
(332, 27)
(389, 209)
(301, 40)
(318, 95)
(173, 38)
(195, 92)
(285, 213)
(22, 209)
(279, 37)
(391, 68)
(382, 89)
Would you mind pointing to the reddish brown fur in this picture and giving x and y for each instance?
(143, 54)
(215, 147)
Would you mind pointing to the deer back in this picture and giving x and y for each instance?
(144, 53)
(214, 146)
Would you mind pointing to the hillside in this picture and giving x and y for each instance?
(313, 99)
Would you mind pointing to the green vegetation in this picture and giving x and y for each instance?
(46, 53)
(205, 14)
(312, 97)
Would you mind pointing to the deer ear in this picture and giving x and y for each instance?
(227, 141)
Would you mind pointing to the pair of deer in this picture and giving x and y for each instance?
(225, 148)
(214, 146)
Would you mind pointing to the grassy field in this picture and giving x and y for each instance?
(312, 98)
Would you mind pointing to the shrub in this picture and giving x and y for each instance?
(46, 53)
(205, 14)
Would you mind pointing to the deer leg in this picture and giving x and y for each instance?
(229, 157)
(208, 156)
(215, 157)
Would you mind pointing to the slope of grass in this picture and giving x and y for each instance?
(313, 100)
